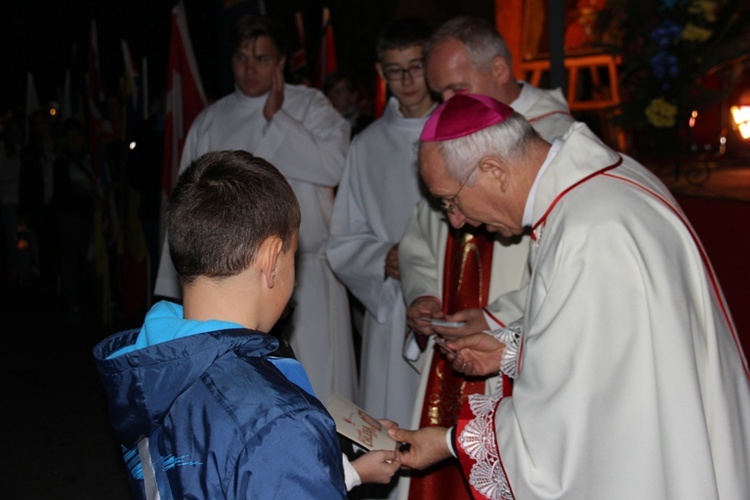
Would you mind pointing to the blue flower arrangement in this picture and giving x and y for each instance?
(668, 48)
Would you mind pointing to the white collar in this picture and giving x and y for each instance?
(525, 100)
(395, 106)
(557, 144)
(251, 100)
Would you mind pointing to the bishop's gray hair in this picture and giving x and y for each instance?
(507, 141)
(482, 41)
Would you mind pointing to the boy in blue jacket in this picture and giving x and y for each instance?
(201, 405)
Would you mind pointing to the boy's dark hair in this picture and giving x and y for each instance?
(224, 206)
(252, 27)
(402, 33)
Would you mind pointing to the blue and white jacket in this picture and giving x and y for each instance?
(203, 411)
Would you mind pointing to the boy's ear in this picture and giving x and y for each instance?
(268, 259)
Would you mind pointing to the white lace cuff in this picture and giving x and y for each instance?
(479, 441)
(509, 336)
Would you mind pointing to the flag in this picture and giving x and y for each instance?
(381, 95)
(144, 87)
(75, 93)
(32, 102)
(95, 102)
(185, 99)
(131, 94)
(106, 219)
(299, 56)
(327, 56)
(136, 279)
(66, 110)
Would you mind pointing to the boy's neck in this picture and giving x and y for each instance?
(206, 299)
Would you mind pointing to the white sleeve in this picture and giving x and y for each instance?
(351, 478)
(311, 148)
(355, 252)
(417, 256)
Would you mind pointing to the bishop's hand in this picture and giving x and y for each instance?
(479, 354)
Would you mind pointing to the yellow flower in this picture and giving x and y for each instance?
(661, 114)
(705, 8)
(695, 33)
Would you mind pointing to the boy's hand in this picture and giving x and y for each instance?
(377, 466)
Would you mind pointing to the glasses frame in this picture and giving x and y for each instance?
(450, 204)
(418, 67)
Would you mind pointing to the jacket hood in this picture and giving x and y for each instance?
(142, 385)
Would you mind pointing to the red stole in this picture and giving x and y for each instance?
(466, 285)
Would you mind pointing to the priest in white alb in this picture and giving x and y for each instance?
(297, 130)
(378, 192)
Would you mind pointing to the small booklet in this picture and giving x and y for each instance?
(352, 422)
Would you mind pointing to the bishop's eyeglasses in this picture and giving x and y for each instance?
(449, 204)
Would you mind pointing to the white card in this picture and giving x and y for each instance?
(352, 422)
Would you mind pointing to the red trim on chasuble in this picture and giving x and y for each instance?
(545, 115)
(494, 318)
(706, 264)
(543, 219)
(466, 285)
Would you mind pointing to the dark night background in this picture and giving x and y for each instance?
(39, 36)
(57, 441)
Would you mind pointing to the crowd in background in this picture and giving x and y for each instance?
(50, 195)
(65, 225)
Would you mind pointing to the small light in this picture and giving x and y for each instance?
(693, 116)
(741, 117)
(132, 145)
(52, 112)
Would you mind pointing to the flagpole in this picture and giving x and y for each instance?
(144, 86)
(32, 102)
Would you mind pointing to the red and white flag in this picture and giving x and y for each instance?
(299, 55)
(327, 63)
(381, 95)
(185, 98)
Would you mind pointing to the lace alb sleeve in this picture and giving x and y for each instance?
(509, 336)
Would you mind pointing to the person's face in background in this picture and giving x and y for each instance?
(254, 64)
(342, 97)
(408, 87)
(449, 71)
